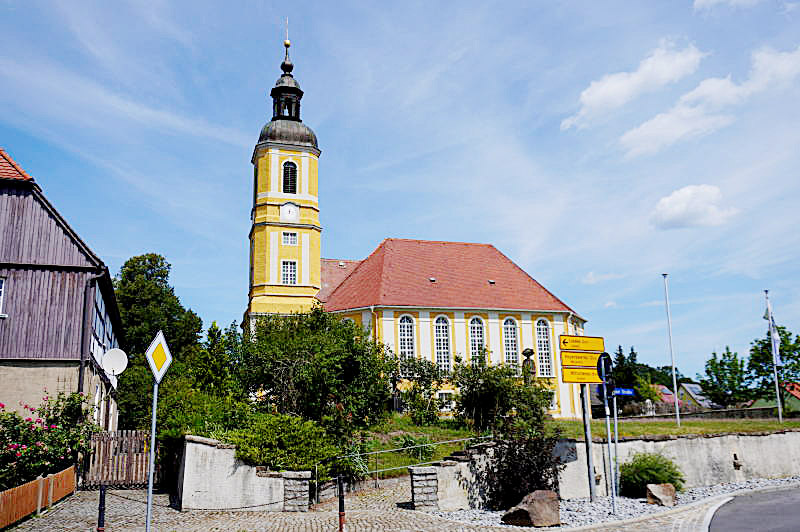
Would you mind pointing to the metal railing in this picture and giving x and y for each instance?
(376, 455)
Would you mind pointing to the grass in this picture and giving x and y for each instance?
(385, 436)
(574, 429)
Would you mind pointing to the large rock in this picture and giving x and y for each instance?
(539, 508)
(661, 494)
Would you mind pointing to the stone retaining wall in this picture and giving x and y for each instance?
(704, 460)
(212, 478)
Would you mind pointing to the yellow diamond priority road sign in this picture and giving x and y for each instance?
(158, 356)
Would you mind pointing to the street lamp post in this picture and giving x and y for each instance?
(672, 353)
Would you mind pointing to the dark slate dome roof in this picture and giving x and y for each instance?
(288, 132)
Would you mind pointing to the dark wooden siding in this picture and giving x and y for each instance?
(30, 233)
(45, 310)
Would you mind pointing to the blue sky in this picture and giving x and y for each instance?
(598, 144)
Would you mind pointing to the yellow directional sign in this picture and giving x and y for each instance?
(158, 356)
(581, 375)
(578, 358)
(581, 343)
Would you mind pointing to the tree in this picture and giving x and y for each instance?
(147, 304)
(419, 393)
(759, 367)
(725, 381)
(210, 366)
(316, 366)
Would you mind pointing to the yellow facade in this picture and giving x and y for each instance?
(285, 238)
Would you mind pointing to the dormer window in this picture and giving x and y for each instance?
(289, 178)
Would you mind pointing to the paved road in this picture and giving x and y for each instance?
(769, 511)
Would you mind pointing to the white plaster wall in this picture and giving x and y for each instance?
(212, 478)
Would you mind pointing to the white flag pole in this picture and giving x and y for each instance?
(672, 354)
(772, 332)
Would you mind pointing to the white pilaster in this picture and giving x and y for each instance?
(495, 338)
(425, 335)
(527, 334)
(460, 336)
(304, 173)
(274, 176)
(366, 320)
(273, 257)
(388, 329)
(305, 261)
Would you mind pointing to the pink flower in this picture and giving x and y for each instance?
(60, 457)
(38, 420)
(24, 446)
(19, 454)
(54, 426)
(29, 419)
(39, 444)
(2, 405)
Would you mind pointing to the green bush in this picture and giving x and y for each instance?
(284, 442)
(47, 440)
(410, 446)
(421, 390)
(648, 468)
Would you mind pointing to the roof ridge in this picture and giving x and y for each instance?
(17, 167)
(437, 241)
(357, 268)
(532, 279)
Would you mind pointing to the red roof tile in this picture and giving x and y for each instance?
(9, 169)
(399, 273)
(333, 273)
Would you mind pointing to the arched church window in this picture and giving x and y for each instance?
(543, 348)
(406, 338)
(476, 340)
(442, 343)
(289, 178)
(510, 343)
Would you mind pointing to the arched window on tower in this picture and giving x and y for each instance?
(543, 348)
(477, 341)
(289, 178)
(442, 343)
(510, 343)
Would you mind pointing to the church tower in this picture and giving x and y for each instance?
(285, 235)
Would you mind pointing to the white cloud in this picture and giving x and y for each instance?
(708, 4)
(662, 66)
(691, 206)
(698, 112)
(594, 278)
(610, 304)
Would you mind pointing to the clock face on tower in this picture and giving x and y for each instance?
(290, 212)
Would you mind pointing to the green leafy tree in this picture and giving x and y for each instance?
(211, 368)
(644, 388)
(420, 391)
(725, 380)
(147, 304)
(315, 366)
(759, 367)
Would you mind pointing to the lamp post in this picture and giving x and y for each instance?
(672, 353)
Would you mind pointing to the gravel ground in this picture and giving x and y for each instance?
(579, 512)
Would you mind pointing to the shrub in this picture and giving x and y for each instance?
(648, 468)
(411, 447)
(46, 441)
(284, 442)
(420, 390)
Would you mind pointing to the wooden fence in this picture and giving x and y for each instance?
(34, 496)
(118, 459)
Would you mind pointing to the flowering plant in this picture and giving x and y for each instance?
(47, 440)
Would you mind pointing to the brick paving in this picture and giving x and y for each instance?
(367, 511)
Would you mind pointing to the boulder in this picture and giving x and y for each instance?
(661, 494)
(539, 508)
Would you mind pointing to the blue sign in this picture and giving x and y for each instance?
(624, 391)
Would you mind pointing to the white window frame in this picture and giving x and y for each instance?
(511, 343)
(441, 343)
(289, 238)
(447, 399)
(477, 346)
(544, 349)
(406, 344)
(287, 275)
(2, 295)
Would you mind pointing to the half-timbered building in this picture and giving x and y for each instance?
(58, 314)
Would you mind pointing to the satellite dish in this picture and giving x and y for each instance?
(115, 361)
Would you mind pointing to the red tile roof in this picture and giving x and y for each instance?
(399, 273)
(333, 273)
(9, 169)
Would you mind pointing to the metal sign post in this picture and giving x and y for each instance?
(587, 436)
(604, 369)
(159, 358)
(616, 443)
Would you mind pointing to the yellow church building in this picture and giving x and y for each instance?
(438, 300)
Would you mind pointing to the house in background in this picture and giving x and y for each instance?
(692, 395)
(666, 395)
(58, 313)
